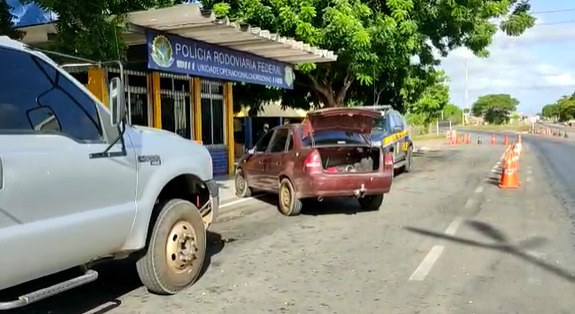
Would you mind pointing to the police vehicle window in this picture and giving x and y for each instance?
(399, 120)
(397, 123)
(262, 144)
(333, 137)
(382, 125)
(280, 140)
(29, 83)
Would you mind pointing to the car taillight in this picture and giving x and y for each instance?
(312, 162)
(388, 161)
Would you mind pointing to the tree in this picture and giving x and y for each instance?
(563, 109)
(94, 29)
(376, 40)
(6, 24)
(452, 113)
(495, 108)
(550, 111)
(432, 99)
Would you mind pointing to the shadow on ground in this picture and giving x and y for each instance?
(116, 278)
(503, 245)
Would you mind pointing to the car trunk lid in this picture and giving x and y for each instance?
(355, 120)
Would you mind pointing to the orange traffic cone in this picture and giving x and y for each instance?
(509, 175)
(493, 139)
(506, 140)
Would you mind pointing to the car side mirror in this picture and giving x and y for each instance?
(117, 101)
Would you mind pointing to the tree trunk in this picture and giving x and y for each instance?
(331, 96)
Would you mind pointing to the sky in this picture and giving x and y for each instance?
(536, 68)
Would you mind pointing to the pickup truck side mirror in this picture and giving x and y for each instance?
(117, 101)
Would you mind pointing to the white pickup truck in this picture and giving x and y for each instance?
(80, 185)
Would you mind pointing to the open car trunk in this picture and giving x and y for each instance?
(350, 159)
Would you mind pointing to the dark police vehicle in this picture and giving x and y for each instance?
(393, 135)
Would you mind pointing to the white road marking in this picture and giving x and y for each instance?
(479, 189)
(423, 269)
(241, 200)
(528, 179)
(452, 229)
(468, 204)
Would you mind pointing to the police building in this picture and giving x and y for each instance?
(182, 64)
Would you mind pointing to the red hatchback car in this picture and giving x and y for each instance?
(329, 154)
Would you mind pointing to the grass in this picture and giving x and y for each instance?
(428, 137)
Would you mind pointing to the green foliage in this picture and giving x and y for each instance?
(564, 109)
(452, 113)
(6, 25)
(495, 108)
(95, 29)
(432, 99)
(375, 41)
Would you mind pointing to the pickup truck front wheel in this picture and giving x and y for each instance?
(176, 249)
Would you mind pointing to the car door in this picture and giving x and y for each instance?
(59, 206)
(274, 162)
(253, 164)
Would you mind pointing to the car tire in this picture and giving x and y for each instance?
(176, 249)
(408, 167)
(371, 202)
(288, 203)
(241, 185)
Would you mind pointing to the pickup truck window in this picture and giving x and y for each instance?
(27, 83)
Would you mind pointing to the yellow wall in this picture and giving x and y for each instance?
(97, 84)
(229, 105)
(197, 103)
(156, 100)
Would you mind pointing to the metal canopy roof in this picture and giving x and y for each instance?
(188, 20)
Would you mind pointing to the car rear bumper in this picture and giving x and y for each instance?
(349, 184)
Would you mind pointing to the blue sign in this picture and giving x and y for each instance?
(187, 56)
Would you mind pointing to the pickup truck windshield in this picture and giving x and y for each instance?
(333, 138)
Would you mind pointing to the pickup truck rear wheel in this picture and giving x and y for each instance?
(176, 249)
(371, 202)
(289, 204)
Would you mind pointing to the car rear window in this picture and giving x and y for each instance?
(333, 138)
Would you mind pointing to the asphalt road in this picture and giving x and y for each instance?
(446, 240)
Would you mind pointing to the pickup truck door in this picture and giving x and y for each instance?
(59, 205)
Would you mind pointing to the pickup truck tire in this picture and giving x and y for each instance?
(371, 202)
(241, 185)
(176, 249)
(288, 203)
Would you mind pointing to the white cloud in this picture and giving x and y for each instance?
(537, 67)
(565, 79)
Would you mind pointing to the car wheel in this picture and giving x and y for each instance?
(371, 202)
(289, 204)
(409, 160)
(242, 188)
(176, 249)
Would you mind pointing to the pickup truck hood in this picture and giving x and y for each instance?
(342, 119)
(172, 148)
